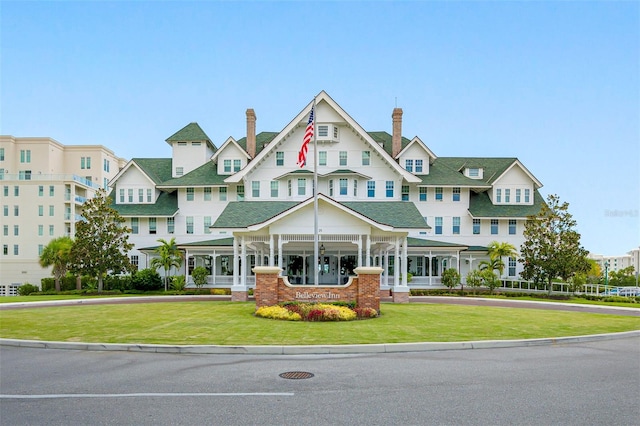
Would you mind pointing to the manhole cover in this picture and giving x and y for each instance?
(296, 375)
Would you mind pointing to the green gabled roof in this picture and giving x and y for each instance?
(221, 242)
(476, 248)
(480, 205)
(385, 139)
(158, 169)
(492, 167)
(399, 214)
(192, 132)
(419, 242)
(442, 175)
(207, 174)
(166, 205)
(346, 172)
(262, 139)
(241, 214)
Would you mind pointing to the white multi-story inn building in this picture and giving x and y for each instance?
(617, 263)
(383, 200)
(43, 185)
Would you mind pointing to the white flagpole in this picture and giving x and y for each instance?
(315, 195)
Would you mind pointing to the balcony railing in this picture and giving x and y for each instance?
(49, 178)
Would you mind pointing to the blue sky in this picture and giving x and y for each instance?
(555, 84)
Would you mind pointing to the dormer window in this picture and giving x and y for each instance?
(474, 172)
(328, 132)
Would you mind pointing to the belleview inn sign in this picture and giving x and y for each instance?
(363, 289)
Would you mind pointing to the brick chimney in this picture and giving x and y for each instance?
(396, 138)
(251, 132)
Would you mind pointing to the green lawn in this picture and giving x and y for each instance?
(233, 323)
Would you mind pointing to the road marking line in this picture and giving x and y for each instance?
(136, 395)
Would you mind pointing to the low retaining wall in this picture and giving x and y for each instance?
(363, 289)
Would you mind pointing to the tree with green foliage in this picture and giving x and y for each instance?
(57, 254)
(623, 278)
(101, 241)
(490, 280)
(169, 256)
(474, 280)
(450, 278)
(199, 275)
(492, 265)
(497, 250)
(552, 245)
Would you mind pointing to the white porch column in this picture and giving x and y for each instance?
(368, 246)
(396, 264)
(271, 249)
(360, 250)
(279, 252)
(404, 261)
(243, 269)
(214, 269)
(236, 263)
(385, 265)
(186, 266)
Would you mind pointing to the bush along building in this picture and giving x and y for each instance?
(383, 200)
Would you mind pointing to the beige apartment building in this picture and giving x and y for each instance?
(43, 185)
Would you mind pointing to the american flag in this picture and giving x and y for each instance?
(308, 134)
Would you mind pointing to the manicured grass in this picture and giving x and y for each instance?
(233, 323)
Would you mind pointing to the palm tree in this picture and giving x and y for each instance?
(57, 254)
(168, 256)
(492, 265)
(498, 250)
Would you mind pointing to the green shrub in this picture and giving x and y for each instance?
(200, 275)
(277, 312)
(146, 280)
(178, 282)
(26, 289)
(118, 282)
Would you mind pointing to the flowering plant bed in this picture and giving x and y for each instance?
(291, 311)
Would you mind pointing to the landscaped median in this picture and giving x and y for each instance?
(234, 324)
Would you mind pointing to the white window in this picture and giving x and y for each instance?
(343, 158)
(207, 224)
(322, 158)
(408, 165)
(179, 171)
(343, 186)
(366, 158)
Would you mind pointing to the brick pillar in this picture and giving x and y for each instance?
(368, 295)
(266, 291)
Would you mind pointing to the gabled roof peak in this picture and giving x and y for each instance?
(192, 132)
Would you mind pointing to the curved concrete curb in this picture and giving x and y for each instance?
(298, 350)
(315, 349)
